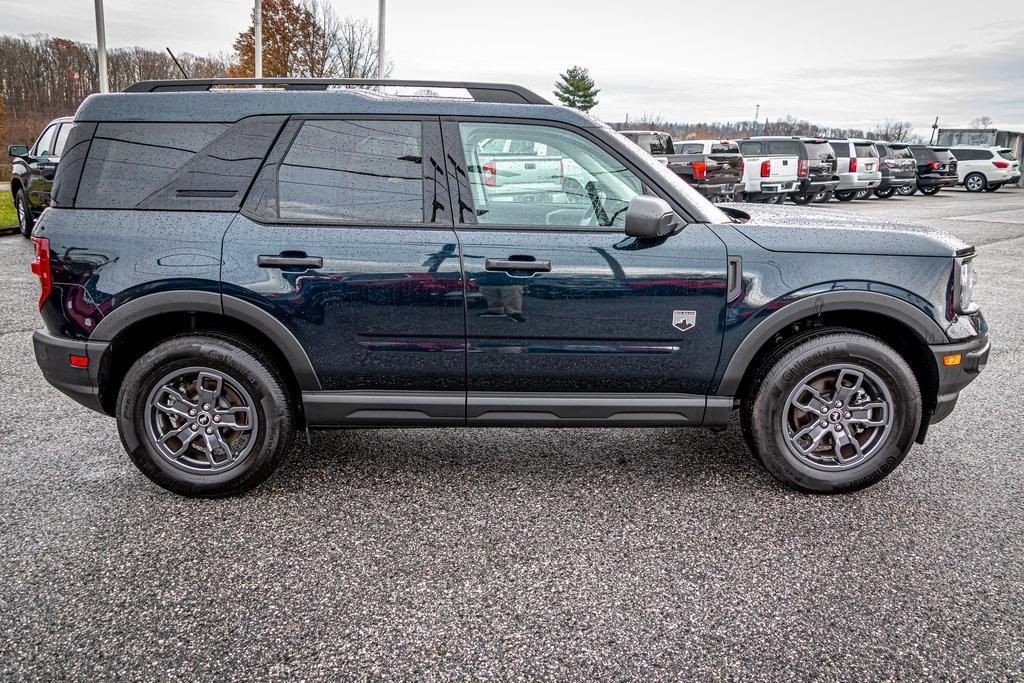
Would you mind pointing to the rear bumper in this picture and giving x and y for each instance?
(808, 186)
(936, 181)
(859, 181)
(772, 186)
(952, 379)
(53, 355)
(890, 182)
(717, 188)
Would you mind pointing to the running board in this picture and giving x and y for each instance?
(326, 409)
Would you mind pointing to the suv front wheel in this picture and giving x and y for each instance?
(205, 415)
(24, 211)
(835, 413)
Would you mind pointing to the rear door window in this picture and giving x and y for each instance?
(354, 172)
(61, 139)
(44, 145)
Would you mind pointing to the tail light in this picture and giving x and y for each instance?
(490, 175)
(41, 268)
(934, 165)
(766, 168)
(1001, 164)
(743, 167)
(853, 164)
(890, 163)
(802, 167)
(700, 170)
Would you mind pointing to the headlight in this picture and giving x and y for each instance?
(963, 285)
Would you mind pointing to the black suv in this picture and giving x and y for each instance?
(33, 169)
(821, 179)
(936, 169)
(899, 169)
(312, 256)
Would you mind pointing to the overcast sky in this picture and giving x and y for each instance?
(684, 61)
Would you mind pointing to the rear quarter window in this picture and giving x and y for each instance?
(842, 149)
(174, 166)
(819, 151)
(1007, 154)
(750, 149)
(785, 148)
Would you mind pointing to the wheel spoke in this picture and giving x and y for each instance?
(862, 414)
(184, 434)
(214, 442)
(230, 418)
(209, 386)
(816, 432)
(178, 406)
(809, 400)
(848, 383)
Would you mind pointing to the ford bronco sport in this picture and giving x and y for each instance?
(223, 266)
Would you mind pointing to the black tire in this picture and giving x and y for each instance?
(846, 195)
(823, 197)
(862, 194)
(767, 411)
(246, 374)
(993, 188)
(907, 190)
(885, 193)
(931, 190)
(975, 182)
(802, 199)
(24, 210)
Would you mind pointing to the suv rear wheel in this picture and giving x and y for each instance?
(205, 415)
(907, 190)
(24, 211)
(836, 412)
(846, 195)
(885, 193)
(975, 182)
(930, 190)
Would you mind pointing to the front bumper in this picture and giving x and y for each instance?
(953, 378)
(53, 354)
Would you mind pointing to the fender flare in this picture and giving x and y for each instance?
(150, 305)
(900, 311)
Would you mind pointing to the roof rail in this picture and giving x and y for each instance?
(481, 92)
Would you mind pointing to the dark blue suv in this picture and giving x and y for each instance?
(223, 265)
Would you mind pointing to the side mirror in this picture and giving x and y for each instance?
(650, 217)
(17, 150)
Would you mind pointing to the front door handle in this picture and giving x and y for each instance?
(520, 264)
(289, 261)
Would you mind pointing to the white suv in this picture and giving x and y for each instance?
(986, 168)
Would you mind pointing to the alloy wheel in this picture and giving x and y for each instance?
(201, 420)
(975, 183)
(837, 417)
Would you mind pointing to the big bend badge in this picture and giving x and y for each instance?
(684, 321)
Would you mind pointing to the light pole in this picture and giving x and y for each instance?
(380, 39)
(101, 48)
(258, 40)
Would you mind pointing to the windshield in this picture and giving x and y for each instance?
(902, 153)
(703, 210)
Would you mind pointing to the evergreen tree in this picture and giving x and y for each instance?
(575, 89)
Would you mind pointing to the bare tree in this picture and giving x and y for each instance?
(357, 50)
(982, 122)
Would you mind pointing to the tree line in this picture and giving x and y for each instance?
(889, 129)
(43, 77)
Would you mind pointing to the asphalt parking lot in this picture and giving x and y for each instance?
(569, 554)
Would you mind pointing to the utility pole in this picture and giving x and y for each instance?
(380, 38)
(935, 129)
(101, 48)
(258, 40)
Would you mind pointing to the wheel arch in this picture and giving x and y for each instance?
(901, 325)
(138, 325)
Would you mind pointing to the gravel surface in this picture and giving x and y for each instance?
(525, 554)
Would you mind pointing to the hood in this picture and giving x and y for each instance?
(818, 230)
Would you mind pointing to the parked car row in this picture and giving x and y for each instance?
(773, 169)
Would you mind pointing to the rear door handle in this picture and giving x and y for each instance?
(518, 264)
(280, 261)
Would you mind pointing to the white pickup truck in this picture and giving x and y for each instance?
(773, 168)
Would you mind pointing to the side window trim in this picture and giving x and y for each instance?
(269, 176)
(457, 165)
(46, 131)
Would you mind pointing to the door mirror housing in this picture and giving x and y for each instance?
(17, 150)
(650, 217)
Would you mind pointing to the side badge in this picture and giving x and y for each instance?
(684, 321)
